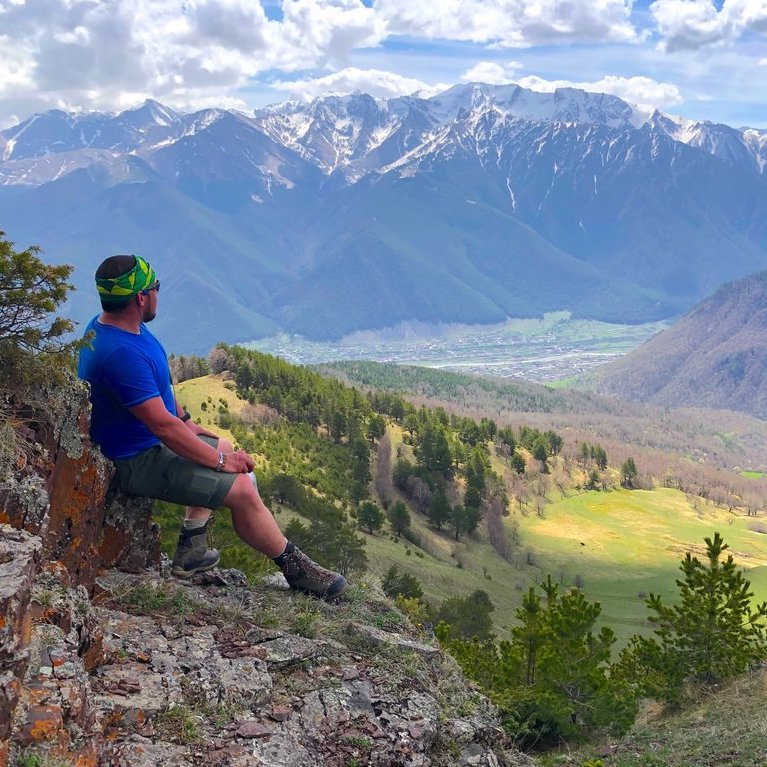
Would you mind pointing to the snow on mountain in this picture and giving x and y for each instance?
(354, 134)
(757, 141)
(335, 131)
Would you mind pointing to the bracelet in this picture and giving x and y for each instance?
(221, 461)
(185, 417)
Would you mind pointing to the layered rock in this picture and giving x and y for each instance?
(58, 530)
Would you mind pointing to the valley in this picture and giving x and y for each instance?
(545, 350)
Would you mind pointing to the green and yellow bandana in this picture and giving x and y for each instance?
(117, 289)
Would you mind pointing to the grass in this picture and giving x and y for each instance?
(163, 599)
(624, 544)
(728, 727)
(179, 724)
(209, 390)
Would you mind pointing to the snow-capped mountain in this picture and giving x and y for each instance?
(352, 212)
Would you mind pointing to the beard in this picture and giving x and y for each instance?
(147, 315)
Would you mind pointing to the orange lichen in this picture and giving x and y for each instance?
(45, 723)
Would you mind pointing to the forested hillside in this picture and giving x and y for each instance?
(714, 357)
(486, 529)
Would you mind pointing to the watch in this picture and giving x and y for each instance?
(186, 416)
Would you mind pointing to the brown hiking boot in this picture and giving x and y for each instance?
(192, 553)
(303, 574)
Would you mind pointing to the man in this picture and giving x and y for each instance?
(158, 452)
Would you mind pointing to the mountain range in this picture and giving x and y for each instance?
(349, 212)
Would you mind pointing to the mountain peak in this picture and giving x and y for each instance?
(151, 111)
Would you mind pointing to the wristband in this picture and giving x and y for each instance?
(185, 417)
(221, 461)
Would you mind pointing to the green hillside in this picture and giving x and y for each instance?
(618, 545)
(556, 516)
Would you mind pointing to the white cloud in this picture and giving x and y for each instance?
(637, 90)
(491, 72)
(182, 52)
(376, 82)
(763, 62)
(318, 31)
(511, 23)
(693, 24)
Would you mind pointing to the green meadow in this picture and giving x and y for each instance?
(618, 546)
(624, 544)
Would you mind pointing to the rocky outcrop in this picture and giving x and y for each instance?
(216, 672)
(99, 666)
(58, 491)
(57, 527)
(19, 558)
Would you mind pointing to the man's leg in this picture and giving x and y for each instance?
(192, 552)
(256, 526)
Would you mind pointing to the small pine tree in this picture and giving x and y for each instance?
(712, 633)
(439, 509)
(518, 463)
(458, 520)
(399, 517)
(370, 516)
(628, 473)
(396, 584)
(467, 617)
(376, 427)
(32, 348)
(541, 453)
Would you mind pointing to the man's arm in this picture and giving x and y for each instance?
(170, 430)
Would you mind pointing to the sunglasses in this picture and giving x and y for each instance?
(156, 287)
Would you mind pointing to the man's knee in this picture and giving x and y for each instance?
(242, 490)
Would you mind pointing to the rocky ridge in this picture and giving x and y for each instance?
(101, 666)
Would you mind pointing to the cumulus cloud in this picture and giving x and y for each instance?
(183, 52)
(376, 82)
(491, 72)
(512, 23)
(693, 24)
(637, 90)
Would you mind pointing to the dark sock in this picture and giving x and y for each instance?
(280, 560)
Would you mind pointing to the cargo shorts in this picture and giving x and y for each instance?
(162, 474)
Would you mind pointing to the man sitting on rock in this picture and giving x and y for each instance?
(158, 452)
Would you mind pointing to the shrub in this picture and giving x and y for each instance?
(31, 345)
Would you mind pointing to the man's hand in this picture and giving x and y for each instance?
(238, 462)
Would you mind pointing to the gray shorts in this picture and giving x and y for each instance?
(160, 473)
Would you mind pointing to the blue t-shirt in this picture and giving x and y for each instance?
(124, 369)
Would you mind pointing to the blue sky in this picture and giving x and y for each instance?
(702, 59)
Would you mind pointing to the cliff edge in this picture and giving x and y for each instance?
(107, 660)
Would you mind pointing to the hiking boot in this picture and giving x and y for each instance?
(302, 574)
(192, 553)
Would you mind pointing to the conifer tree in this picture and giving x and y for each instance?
(628, 473)
(439, 509)
(399, 517)
(31, 340)
(713, 632)
(370, 516)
